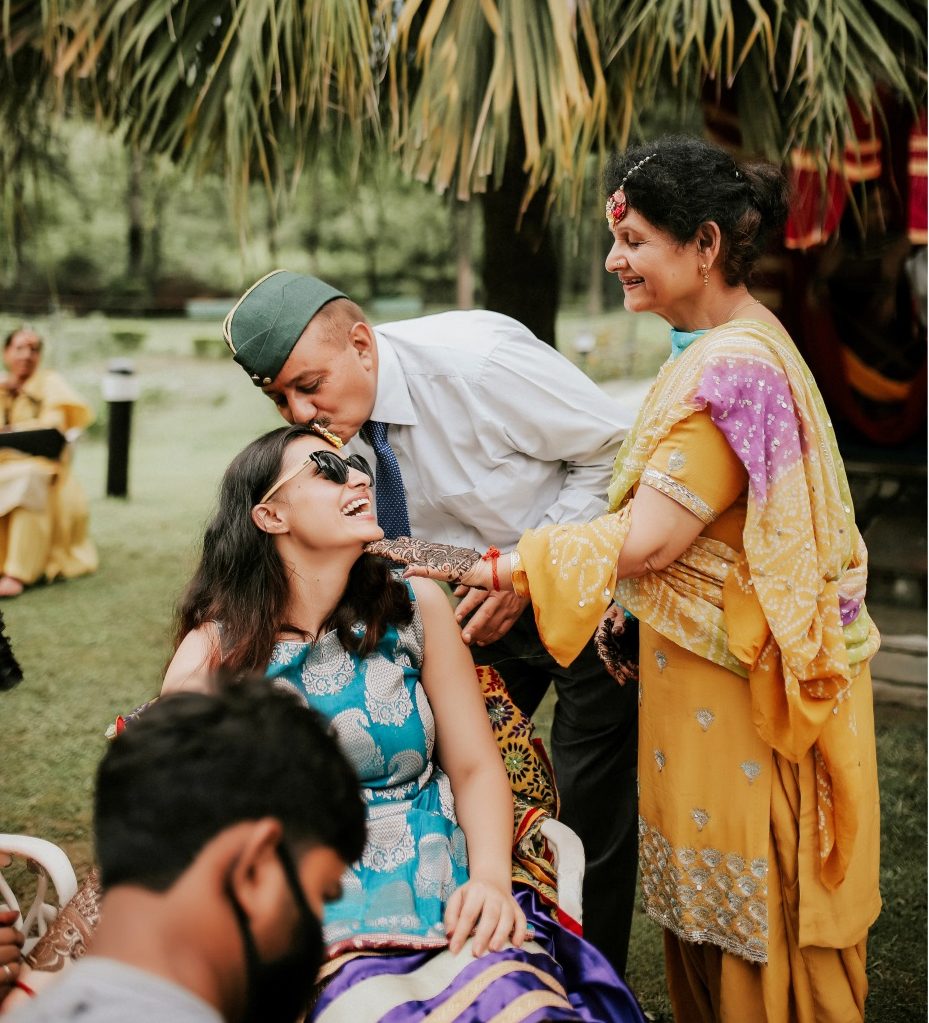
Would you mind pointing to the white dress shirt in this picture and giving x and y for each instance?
(495, 432)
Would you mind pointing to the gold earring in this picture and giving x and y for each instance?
(705, 270)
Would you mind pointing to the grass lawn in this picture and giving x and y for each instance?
(97, 646)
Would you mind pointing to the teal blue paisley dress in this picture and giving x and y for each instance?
(415, 855)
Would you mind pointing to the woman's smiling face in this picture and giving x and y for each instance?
(320, 512)
(658, 274)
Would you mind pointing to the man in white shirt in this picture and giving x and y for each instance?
(479, 431)
(222, 822)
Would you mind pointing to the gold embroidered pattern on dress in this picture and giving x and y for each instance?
(678, 492)
(661, 659)
(751, 768)
(706, 895)
(660, 759)
(677, 461)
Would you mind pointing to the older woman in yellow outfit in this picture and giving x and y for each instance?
(732, 539)
(43, 511)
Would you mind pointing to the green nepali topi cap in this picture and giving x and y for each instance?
(267, 321)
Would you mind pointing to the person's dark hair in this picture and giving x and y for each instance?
(688, 181)
(194, 764)
(22, 328)
(241, 582)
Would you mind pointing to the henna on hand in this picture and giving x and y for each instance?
(617, 644)
(452, 564)
(67, 935)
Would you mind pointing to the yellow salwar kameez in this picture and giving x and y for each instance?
(759, 817)
(43, 510)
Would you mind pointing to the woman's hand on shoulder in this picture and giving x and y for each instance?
(487, 910)
(430, 560)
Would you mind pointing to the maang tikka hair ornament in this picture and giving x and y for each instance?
(616, 204)
(321, 431)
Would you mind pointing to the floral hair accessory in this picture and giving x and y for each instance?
(615, 208)
(617, 205)
(321, 431)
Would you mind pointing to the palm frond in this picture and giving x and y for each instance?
(248, 84)
(257, 86)
(461, 70)
(798, 65)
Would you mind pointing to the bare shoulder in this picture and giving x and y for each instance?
(192, 661)
(443, 642)
(430, 596)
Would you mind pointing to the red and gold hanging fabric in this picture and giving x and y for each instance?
(820, 200)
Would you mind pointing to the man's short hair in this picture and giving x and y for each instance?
(195, 764)
(335, 319)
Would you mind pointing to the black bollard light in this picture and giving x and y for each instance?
(120, 391)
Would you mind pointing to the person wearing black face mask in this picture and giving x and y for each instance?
(223, 824)
(279, 988)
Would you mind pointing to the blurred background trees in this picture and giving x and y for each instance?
(294, 131)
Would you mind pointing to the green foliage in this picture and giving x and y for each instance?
(382, 236)
(256, 87)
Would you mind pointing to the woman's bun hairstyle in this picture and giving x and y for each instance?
(684, 181)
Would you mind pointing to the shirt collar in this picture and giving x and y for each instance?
(392, 402)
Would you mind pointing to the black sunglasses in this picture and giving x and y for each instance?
(330, 466)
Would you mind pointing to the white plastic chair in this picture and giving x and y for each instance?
(49, 864)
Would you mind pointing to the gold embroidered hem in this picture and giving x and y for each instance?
(706, 894)
(704, 801)
(669, 486)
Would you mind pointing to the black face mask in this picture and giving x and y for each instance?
(279, 989)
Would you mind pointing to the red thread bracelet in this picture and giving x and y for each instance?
(24, 987)
(491, 555)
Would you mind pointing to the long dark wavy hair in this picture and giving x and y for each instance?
(241, 582)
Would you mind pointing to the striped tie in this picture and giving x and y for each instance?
(388, 484)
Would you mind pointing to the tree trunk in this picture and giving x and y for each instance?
(596, 249)
(17, 215)
(161, 187)
(136, 212)
(271, 227)
(464, 272)
(520, 265)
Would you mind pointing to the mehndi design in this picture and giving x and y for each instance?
(67, 936)
(451, 563)
(617, 644)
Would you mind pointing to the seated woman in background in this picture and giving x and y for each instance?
(43, 511)
(284, 586)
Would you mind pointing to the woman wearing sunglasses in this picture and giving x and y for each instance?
(284, 585)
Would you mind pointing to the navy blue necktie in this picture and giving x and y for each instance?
(388, 484)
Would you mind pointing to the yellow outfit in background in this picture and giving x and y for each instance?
(43, 510)
(759, 817)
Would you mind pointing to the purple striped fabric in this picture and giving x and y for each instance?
(500, 979)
